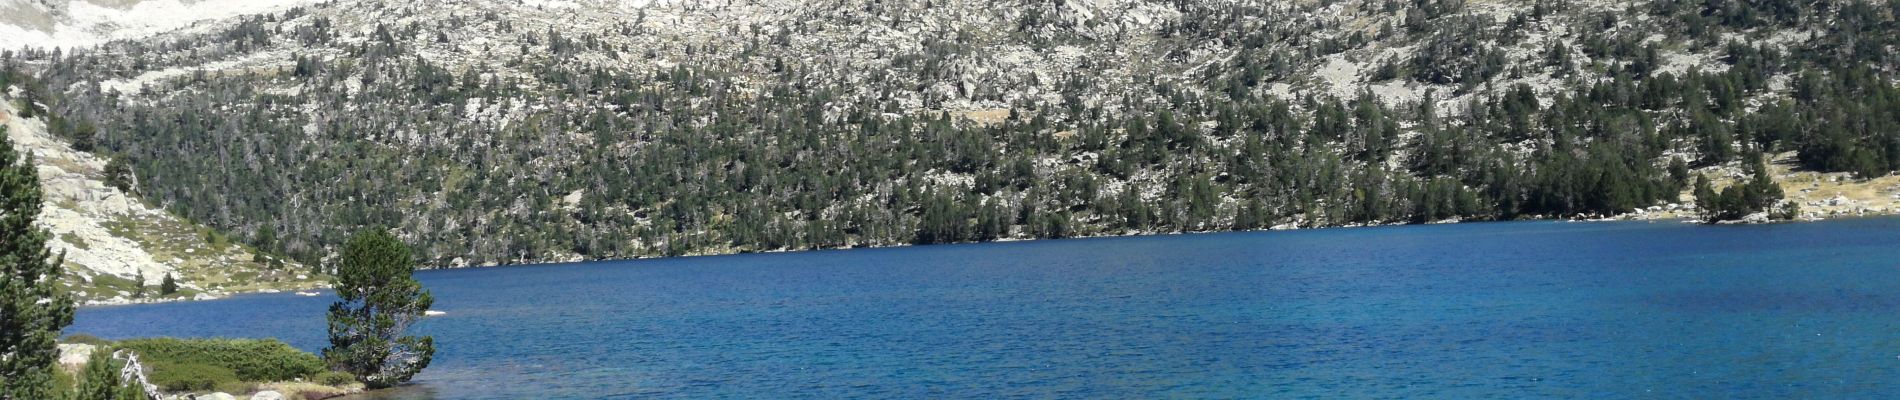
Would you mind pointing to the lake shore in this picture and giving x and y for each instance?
(1821, 196)
(1826, 210)
(311, 287)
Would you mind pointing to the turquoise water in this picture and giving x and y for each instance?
(1492, 310)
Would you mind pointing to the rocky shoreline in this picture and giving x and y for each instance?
(118, 301)
(1813, 211)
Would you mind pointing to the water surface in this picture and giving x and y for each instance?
(1492, 310)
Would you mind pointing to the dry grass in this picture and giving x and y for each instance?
(1820, 195)
(1823, 193)
(987, 117)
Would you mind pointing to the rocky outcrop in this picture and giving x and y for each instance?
(73, 356)
(74, 23)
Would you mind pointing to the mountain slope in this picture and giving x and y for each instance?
(500, 132)
(111, 240)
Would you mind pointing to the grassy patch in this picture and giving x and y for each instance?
(75, 240)
(64, 380)
(103, 286)
(113, 281)
(207, 258)
(334, 378)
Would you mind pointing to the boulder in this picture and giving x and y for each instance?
(268, 395)
(215, 396)
(1755, 218)
(75, 355)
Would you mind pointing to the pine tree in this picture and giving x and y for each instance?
(169, 286)
(102, 381)
(32, 310)
(29, 100)
(1250, 216)
(265, 239)
(1705, 196)
(379, 300)
(119, 175)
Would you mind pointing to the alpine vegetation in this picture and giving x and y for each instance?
(505, 132)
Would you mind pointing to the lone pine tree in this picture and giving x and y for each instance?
(379, 300)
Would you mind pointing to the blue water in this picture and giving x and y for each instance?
(1492, 310)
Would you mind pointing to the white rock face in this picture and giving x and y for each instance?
(268, 395)
(76, 23)
(216, 396)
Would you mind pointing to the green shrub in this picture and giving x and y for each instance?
(263, 360)
(335, 378)
(64, 380)
(190, 377)
(101, 380)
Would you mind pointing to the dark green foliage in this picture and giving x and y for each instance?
(84, 136)
(379, 301)
(1457, 53)
(334, 378)
(265, 239)
(1857, 130)
(101, 379)
(1705, 194)
(32, 308)
(119, 175)
(254, 360)
(190, 377)
(168, 286)
(1759, 193)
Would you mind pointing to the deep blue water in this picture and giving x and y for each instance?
(1492, 310)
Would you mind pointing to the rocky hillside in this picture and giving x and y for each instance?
(520, 131)
(112, 241)
(74, 23)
